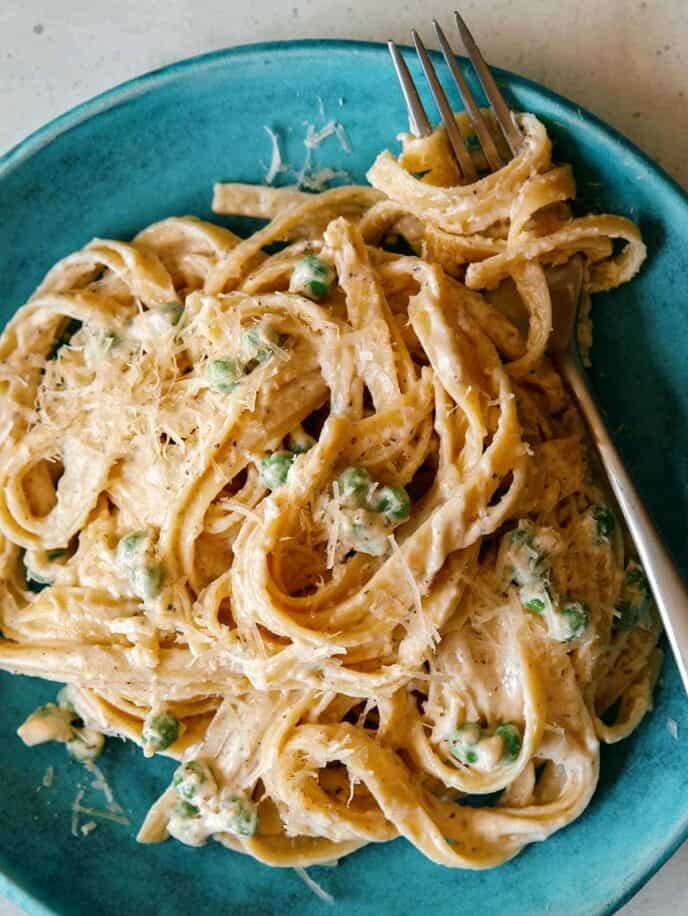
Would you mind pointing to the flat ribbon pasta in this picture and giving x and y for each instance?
(325, 506)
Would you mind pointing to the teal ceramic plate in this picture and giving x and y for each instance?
(154, 147)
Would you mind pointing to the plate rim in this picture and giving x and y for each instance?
(14, 890)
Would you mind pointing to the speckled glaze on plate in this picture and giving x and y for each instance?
(152, 148)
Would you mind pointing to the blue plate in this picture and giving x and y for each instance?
(153, 147)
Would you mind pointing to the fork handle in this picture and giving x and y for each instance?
(668, 588)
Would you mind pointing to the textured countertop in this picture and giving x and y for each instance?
(625, 60)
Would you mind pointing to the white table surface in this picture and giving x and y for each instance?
(625, 60)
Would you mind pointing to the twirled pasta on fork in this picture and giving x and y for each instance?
(321, 522)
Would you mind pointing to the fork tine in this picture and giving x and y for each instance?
(458, 147)
(501, 109)
(494, 160)
(418, 120)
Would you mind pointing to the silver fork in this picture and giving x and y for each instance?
(669, 590)
(418, 120)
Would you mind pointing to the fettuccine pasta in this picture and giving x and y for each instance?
(312, 513)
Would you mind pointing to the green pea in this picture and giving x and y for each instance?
(311, 277)
(635, 578)
(635, 600)
(535, 604)
(393, 502)
(576, 615)
(259, 343)
(224, 374)
(627, 616)
(528, 565)
(316, 289)
(110, 339)
(173, 311)
(161, 318)
(354, 485)
(536, 596)
(251, 341)
(129, 546)
(463, 742)
(605, 524)
(520, 536)
(135, 557)
(146, 581)
(301, 442)
(185, 809)
(239, 814)
(274, 469)
(194, 781)
(366, 533)
(511, 738)
(160, 731)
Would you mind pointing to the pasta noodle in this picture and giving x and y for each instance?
(312, 513)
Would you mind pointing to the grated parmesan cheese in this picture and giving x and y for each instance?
(333, 520)
(315, 137)
(307, 178)
(114, 812)
(100, 783)
(76, 807)
(314, 886)
(431, 631)
(277, 166)
(340, 131)
(233, 505)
